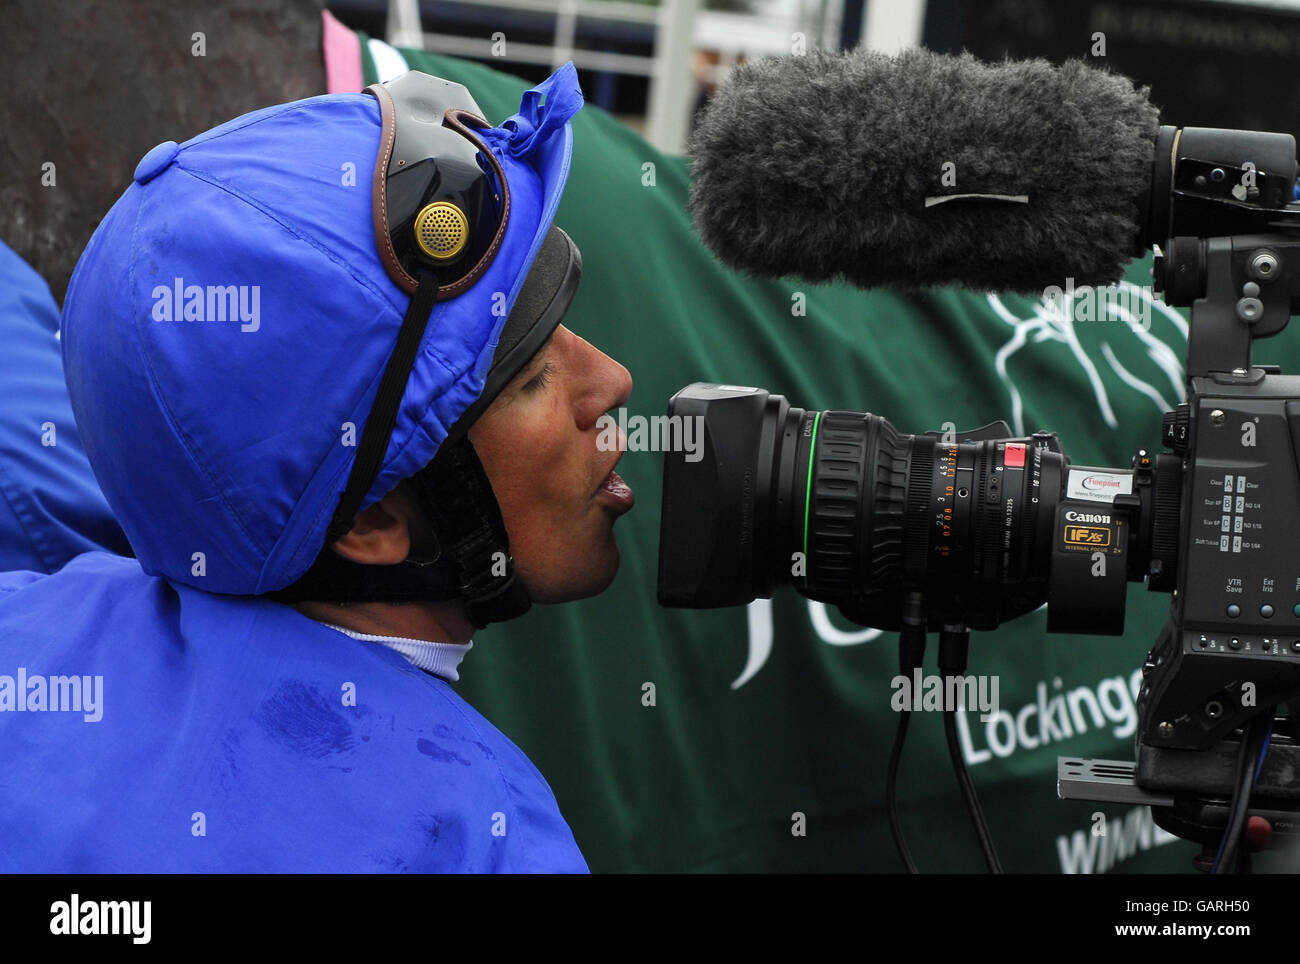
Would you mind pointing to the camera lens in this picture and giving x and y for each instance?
(850, 511)
(733, 509)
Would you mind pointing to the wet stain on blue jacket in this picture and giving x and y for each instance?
(305, 720)
(442, 729)
(431, 824)
(429, 748)
(228, 773)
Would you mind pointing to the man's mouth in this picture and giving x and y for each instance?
(616, 492)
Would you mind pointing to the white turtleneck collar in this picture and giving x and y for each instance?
(439, 659)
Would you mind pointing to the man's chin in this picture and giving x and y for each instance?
(593, 581)
(611, 572)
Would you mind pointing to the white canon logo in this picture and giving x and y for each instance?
(1072, 516)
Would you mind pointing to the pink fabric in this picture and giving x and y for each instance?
(342, 57)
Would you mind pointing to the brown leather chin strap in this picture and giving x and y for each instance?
(457, 119)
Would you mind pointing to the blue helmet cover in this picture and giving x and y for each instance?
(226, 328)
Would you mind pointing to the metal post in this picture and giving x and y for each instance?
(403, 27)
(894, 26)
(566, 24)
(672, 86)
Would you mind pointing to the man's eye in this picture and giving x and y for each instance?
(540, 380)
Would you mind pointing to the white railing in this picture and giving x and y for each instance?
(672, 83)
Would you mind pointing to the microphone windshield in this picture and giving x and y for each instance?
(922, 169)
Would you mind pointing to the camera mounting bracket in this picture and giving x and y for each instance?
(1239, 288)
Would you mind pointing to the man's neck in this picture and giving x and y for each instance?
(435, 622)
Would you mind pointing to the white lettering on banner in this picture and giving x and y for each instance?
(829, 633)
(759, 619)
(1085, 852)
(1053, 717)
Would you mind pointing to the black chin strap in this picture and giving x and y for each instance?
(378, 429)
(334, 579)
(462, 510)
(472, 563)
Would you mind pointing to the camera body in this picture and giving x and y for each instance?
(984, 527)
(1232, 644)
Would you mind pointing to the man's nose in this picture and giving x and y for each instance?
(609, 385)
(621, 381)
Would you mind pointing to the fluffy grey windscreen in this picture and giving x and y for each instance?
(819, 166)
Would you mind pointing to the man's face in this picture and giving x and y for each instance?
(537, 442)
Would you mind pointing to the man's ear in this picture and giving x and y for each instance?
(381, 535)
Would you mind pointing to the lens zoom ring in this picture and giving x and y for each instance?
(839, 467)
(840, 517)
